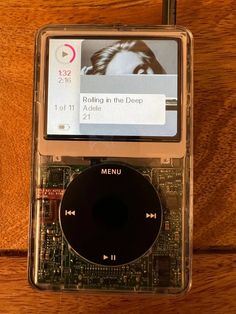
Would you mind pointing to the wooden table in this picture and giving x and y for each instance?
(214, 265)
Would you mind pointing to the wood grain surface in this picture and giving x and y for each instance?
(213, 26)
(213, 292)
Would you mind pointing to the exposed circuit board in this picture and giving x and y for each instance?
(60, 267)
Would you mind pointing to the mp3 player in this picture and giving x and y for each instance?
(111, 197)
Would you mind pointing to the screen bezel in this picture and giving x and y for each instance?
(115, 138)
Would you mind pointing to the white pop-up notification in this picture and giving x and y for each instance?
(122, 109)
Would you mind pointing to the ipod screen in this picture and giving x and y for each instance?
(98, 88)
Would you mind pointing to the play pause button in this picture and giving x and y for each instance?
(110, 257)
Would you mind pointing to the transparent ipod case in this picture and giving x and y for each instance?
(111, 188)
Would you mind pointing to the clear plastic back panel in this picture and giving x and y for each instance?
(111, 194)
